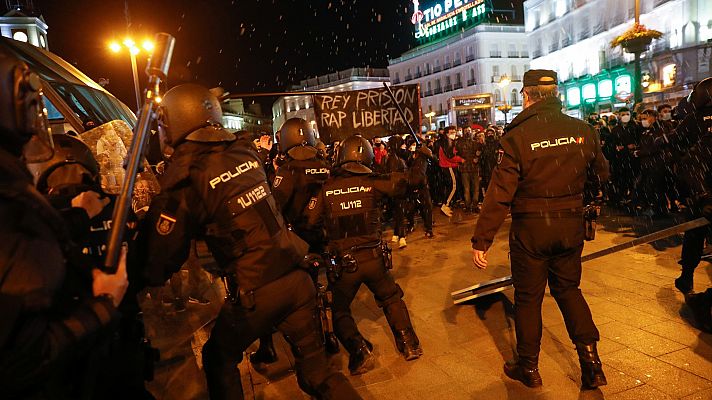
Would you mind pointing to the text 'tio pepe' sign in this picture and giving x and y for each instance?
(446, 16)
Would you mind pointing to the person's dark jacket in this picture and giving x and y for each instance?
(295, 183)
(547, 159)
(489, 155)
(628, 137)
(219, 192)
(349, 208)
(653, 151)
(50, 318)
(470, 150)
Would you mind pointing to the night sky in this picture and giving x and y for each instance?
(242, 45)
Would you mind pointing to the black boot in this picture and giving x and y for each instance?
(685, 282)
(361, 358)
(265, 354)
(591, 368)
(408, 344)
(525, 370)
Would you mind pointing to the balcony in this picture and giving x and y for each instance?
(448, 88)
(457, 63)
(418, 75)
(427, 93)
(495, 54)
(447, 66)
(536, 54)
(469, 58)
(408, 78)
(471, 82)
(458, 85)
(524, 54)
(396, 81)
(437, 91)
(566, 42)
(584, 35)
(513, 54)
(437, 69)
(553, 47)
(516, 78)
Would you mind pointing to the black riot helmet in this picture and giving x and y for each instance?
(72, 166)
(191, 112)
(355, 155)
(24, 129)
(297, 139)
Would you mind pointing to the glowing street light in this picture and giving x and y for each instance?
(134, 50)
(504, 82)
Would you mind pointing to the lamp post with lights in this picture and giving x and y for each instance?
(134, 50)
(504, 82)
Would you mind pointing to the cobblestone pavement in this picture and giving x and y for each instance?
(648, 347)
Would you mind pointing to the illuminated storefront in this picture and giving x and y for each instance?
(604, 92)
(472, 110)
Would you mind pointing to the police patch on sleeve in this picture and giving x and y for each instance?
(312, 203)
(165, 225)
(277, 181)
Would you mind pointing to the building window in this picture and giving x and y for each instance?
(513, 53)
(430, 87)
(19, 35)
(514, 97)
(427, 68)
(458, 78)
(515, 73)
(494, 51)
(495, 71)
(497, 96)
(397, 77)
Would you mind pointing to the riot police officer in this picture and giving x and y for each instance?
(298, 179)
(216, 189)
(127, 356)
(53, 311)
(546, 157)
(348, 207)
(693, 139)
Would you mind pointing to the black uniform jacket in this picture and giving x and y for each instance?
(44, 327)
(348, 207)
(219, 193)
(546, 160)
(295, 184)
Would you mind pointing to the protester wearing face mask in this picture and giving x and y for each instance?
(665, 112)
(448, 161)
(626, 167)
(651, 185)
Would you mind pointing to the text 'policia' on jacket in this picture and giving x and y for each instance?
(219, 192)
(547, 157)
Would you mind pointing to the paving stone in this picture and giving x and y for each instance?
(658, 374)
(679, 332)
(638, 339)
(697, 361)
(644, 392)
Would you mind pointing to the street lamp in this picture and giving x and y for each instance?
(504, 82)
(430, 116)
(134, 50)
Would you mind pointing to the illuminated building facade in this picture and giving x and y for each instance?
(463, 54)
(573, 37)
(21, 23)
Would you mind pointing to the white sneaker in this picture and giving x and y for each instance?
(402, 243)
(394, 239)
(446, 210)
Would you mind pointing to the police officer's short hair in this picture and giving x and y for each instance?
(541, 92)
(624, 109)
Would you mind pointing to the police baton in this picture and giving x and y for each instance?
(157, 70)
(401, 112)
